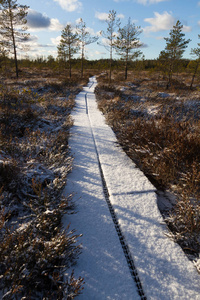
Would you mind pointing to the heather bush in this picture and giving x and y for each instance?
(35, 251)
(34, 255)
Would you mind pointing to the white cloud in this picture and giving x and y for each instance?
(56, 41)
(198, 3)
(38, 22)
(105, 42)
(101, 16)
(55, 25)
(31, 43)
(104, 16)
(160, 22)
(121, 16)
(134, 21)
(78, 20)
(187, 28)
(99, 33)
(70, 5)
(90, 30)
(32, 39)
(53, 53)
(34, 48)
(96, 54)
(99, 53)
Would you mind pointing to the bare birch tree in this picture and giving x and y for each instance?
(110, 35)
(84, 38)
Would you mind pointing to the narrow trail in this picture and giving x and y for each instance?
(122, 240)
(125, 254)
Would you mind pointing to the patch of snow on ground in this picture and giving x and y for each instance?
(153, 110)
(163, 95)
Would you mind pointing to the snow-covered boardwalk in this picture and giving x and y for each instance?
(163, 269)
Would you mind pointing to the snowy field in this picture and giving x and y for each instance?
(163, 269)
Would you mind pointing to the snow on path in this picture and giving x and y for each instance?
(102, 262)
(164, 270)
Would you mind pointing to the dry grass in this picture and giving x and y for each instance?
(34, 163)
(161, 132)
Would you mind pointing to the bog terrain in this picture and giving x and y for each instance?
(159, 129)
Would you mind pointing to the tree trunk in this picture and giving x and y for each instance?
(70, 68)
(126, 67)
(110, 73)
(195, 72)
(13, 40)
(169, 77)
(82, 58)
(16, 62)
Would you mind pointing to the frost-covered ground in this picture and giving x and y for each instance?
(164, 270)
(34, 163)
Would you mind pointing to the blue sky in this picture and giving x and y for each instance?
(47, 18)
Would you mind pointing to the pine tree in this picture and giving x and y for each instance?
(127, 43)
(113, 23)
(68, 45)
(195, 52)
(12, 26)
(175, 47)
(84, 39)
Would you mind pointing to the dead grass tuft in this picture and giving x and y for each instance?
(34, 163)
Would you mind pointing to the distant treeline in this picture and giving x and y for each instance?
(100, 64)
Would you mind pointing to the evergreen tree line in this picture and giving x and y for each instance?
(124, 41)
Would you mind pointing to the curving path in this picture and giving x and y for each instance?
(126, 254)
